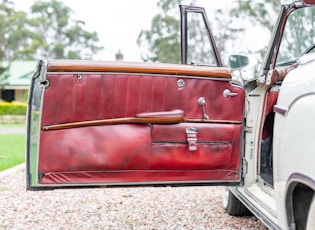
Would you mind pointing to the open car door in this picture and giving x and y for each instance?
(95, 123)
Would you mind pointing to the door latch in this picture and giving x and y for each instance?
(192, 138)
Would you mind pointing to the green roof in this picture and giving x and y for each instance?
(20, 73)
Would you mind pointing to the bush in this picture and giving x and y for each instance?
(12, 108)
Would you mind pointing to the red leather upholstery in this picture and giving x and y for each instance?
(138, 153)
(102, 96)
(271, 100)
(114, 177)
(97, 148)
(217, 147)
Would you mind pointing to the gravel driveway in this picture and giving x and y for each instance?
(114, 208)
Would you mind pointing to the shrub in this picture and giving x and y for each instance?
(12, 108)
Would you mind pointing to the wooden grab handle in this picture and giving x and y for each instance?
(116, 121)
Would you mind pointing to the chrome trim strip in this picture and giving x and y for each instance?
(284, 111)
(259, 214)
(260, 201)
(137, 184)
(281, 110)
(33, 121)
(294, 179)
(300, 178)
(300, 97)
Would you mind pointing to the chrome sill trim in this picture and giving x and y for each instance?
(261, 203)
(41, 187)
(258, 213)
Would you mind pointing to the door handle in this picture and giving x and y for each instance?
(202, 102)
(227, 93)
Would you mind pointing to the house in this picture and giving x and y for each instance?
(17, 80)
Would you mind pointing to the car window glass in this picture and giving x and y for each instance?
(299, 35)
(199, 49)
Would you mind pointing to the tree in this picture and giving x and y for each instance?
(298, 35)
(260, 14)
(163, 39)
(15, 36)
(198, 40)
(47, 32)
(59, 36)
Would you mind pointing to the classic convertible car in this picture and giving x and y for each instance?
(95, 123)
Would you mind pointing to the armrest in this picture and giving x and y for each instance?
(164, 114)
(168, 117)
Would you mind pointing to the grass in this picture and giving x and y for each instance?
(12, 149)
(12, 126)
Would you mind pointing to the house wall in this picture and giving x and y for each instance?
(20, 95)
(14, 95)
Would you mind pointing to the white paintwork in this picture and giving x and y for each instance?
(264, 198)
(293, 137)
(254, 112)
(254, 190)
(294, 134)
(294, 140)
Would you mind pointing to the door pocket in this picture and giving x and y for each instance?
(192, 146)
(176, 156)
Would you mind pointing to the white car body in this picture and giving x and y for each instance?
(288, 201)
(293, 149)
(294, 131)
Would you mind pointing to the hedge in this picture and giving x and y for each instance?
(12, 108)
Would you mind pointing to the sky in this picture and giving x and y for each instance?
(119, 22)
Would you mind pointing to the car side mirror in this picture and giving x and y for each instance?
(237, 62)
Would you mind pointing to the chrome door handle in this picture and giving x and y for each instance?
(227, 93)
(202, 103)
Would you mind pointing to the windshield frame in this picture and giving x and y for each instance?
(275, 41)
(270, 60)
(297, 37)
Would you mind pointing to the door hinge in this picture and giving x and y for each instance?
(244, 167)
(249, 129)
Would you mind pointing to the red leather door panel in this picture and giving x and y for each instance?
(104, 96)
(82, 151)
(216, 147)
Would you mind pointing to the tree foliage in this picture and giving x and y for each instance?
(199, 50)
(256, 13)
(15, 36)
(59, 36)
(259, 13)
(163, 38)
(48, 31)
(299, 34)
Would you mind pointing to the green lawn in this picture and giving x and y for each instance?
(12, 150)
(12, 125)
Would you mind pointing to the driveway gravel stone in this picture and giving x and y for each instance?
(114, 208)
